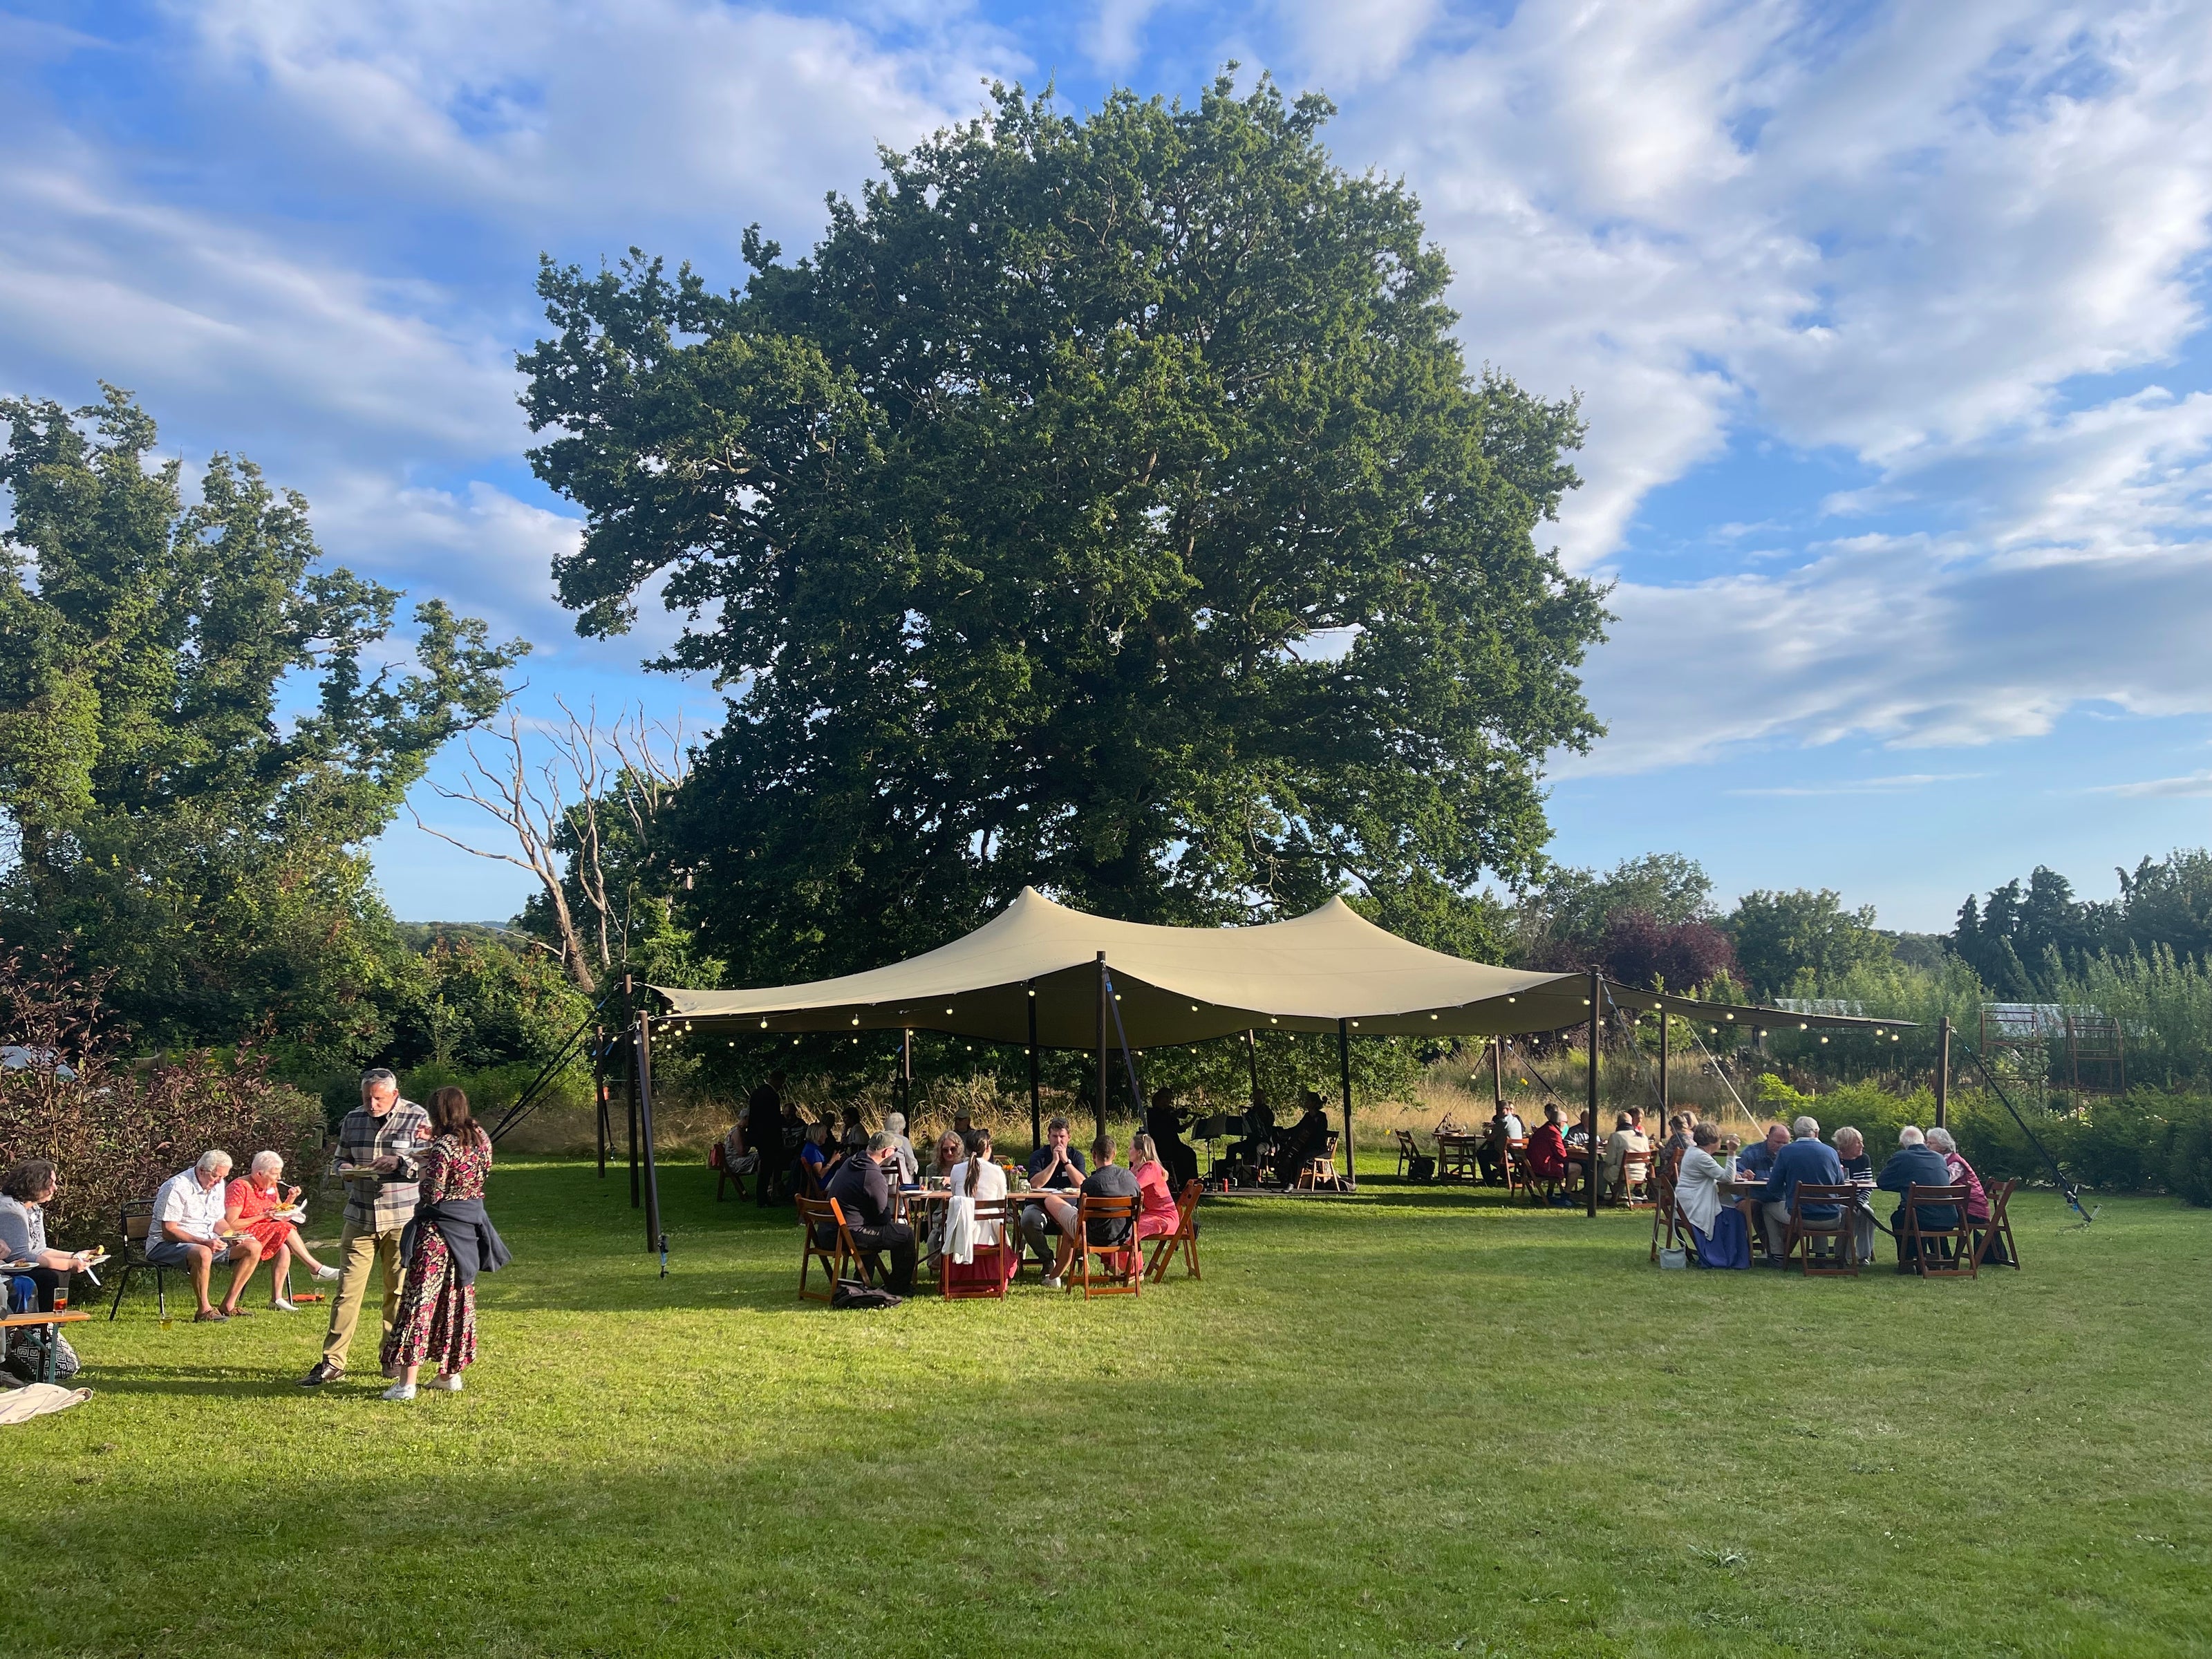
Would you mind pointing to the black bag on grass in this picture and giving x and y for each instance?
(852, 1293)
(1421, 1167)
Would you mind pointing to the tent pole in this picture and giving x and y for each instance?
(1252, 1059)
(1344, 1070)
(645, 1122)
(1666, 1083)
(1102, 1045)
(630, 1085)
(602, 1129)
(1943, 1074)
(1590, 1186)
(1497, 1073)
(1036, 1098)
(906, 1073)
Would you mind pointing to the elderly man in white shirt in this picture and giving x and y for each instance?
(187, 1232)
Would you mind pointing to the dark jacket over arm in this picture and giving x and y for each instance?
(471, 1239)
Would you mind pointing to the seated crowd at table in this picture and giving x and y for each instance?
(871, 1186)
(1766, 1176)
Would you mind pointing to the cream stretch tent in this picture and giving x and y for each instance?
(1041, 975)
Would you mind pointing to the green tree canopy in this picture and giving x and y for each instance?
(167, 821)
(1104, 505)
(1785, 941)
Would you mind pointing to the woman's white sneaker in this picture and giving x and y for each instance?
(326, 1273)
(446, 1383)
(400, 1391)
(284, 1304)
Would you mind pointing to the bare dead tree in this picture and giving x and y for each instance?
(573, 784)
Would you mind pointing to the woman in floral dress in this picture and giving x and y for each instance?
(437, 1321)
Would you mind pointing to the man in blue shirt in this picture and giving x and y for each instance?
(1806, 1160)
(1756, 1162)
(1915, 1164)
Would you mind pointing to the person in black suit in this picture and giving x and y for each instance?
(863, 1191)
(1308, 1139)
(1253, 1151)
(764, 1134)
(1165, 1123)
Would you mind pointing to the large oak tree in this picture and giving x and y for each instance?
(1104, 504)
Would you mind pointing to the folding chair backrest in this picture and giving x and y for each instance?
(814, 1214)
(1114, 1213)
(137, 1221)
(1918, 1200)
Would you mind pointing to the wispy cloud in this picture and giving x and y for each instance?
(2195, 786)
(1899, 784)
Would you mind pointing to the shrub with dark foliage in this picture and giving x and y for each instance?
(118, 1127)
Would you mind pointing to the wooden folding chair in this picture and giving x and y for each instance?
(1121, 1269)
(1799, 1237)
(1408, 1150)
(956, 1284)
(817, 1213)
(1997, 1230)
(1633, 1190)
(1183, 1238)
(1926, 1244)
(718, 1160)
(1319, 1171)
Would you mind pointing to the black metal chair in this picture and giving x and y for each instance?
(137, 1219)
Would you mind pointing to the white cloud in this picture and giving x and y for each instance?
(2196, 785)
(1907, 235)
(577, 117)
(1897, 783)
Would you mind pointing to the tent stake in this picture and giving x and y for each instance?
(1590, 1187)
(645, 1122)
(1102, 1045)
(1351, 1172)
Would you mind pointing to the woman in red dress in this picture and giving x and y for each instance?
(1157, 1216)
(250, 1206)
(437, 1321)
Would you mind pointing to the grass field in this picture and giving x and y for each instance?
(1417, 1422)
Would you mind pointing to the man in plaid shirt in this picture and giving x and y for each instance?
(377, 1144)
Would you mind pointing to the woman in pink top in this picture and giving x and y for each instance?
(1157, 1216)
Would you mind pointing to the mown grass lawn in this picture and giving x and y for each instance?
(1418, 1422)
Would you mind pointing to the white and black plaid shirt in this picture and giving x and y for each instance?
(388, 1204)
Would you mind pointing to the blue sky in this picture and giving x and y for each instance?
(1889, 323)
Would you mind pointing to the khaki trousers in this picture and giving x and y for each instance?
(359, 1250)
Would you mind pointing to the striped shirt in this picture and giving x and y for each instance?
(382, 1205)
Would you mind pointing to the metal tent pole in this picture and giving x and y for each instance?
(629, 1092)
(602, 1126)
(1351, 1167)
(653, 1240)
(1036, 1097)
(1102, 1045)
(1943, 1073)
(1590, 1187)
(1666, 1089)
(1497, 1073)
(906, 1074)
(1252, 1059)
